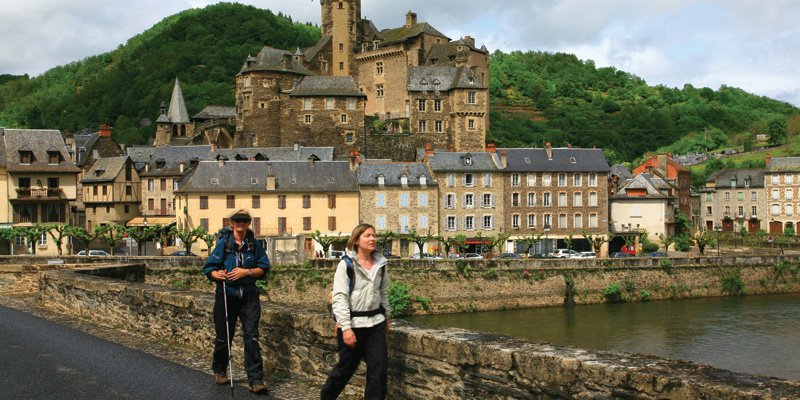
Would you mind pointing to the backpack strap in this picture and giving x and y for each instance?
(351, 273)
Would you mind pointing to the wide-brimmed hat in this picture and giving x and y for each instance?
(241, 215)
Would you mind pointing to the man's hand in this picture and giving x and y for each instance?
(349, 338)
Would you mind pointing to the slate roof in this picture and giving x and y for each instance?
(654, 187)
(723, 178)
(314, 50)
(275, 153)
(271, 59)
(38, 141)
(443, 51)
(177, 112)
(108, 169)
(392, 172)
(447, 77)
(784, 164)
(456, 162)
(564, 160)
(399, 35)
(621, 171)
(340, 86)
(216, 112)
(251, 176)
(171, 155)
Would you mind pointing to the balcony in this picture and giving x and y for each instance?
(39, 194)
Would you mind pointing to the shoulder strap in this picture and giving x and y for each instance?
(351, 273)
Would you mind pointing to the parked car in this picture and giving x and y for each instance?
(542, 255)
(426, 256)
(473, 256)
(94, 253)
(390, 256)
(657, 254)
(588, 254)
(621, 254)
(183, 253)
(336, 254)
(453, 256)
(513, 256)
(565, 253)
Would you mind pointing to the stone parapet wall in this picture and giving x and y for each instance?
(425, 363)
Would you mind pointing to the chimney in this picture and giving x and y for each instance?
(503, 158)
(105, 130)
(147, 167)
(548, 148)
(411, 19)
(286, 62)
(662, 164)
(769, 157)
(221, 160)
(355, 160)
(428, 151)
(491, 148)
(182, 166)
(270, 182)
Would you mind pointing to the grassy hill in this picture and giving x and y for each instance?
(535, 96)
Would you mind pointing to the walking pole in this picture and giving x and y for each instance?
(228, 335)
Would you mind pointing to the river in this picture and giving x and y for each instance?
(751, 334)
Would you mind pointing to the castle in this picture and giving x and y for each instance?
(388, 92)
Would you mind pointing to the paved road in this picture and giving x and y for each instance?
(44, 360)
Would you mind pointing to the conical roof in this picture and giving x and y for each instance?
(177, 113)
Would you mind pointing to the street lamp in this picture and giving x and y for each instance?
(718, 229)
(145, 224)
(546, 231)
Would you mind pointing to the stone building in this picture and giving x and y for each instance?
(471, 194)
(173, 124)
(285, 198)
(400, 198)
(557, 191)
(734, 199)
(112, 192)
(782, 185)
(38, 184)
(643, 204)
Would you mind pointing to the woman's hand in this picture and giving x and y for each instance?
(387, 326)
(349, 338)
(219, 275)
(239, 273)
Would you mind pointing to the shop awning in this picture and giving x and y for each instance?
(140, 221)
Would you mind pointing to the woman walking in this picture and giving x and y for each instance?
(360, 303)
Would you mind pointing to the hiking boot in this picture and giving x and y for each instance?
(258, 388)
(221, 379)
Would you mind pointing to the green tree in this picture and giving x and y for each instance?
(776, 129)
(142, 235)
(189, 236)
(666, 240)
(596, 241)
(325, 241)
(495, 243)
(58, 233)
(420, 240)
(80, 234)
(384, 237)
(32, 234)
(111, 234)
(530, 241)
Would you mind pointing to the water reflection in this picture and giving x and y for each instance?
(756, 334)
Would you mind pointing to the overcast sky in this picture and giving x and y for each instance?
(751, 44)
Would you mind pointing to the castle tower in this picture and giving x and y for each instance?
(341, 21)
(175, 123)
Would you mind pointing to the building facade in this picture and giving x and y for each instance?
(112, 192)
(782, 185)
(733, 200)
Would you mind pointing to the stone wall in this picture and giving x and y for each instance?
(425, 363)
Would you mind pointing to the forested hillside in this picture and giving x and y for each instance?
(204, 48)
(535, 96)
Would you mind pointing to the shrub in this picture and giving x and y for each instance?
(463, 268)
(613, 293)
(490, 274)
(644, 295)
(682, 242)
(399, 299)
(650, 247)
(666, 265)
(732, 284)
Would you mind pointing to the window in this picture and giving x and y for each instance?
(331, 224)
(127, 208)
(450, 200)
(329, 103)
(789, 209)
(94, 190)
(163, 183)
(423, 126)
(344, 118)
(775, 194)
(577, 199)
(562, 179)
(331, 201)
(404, 197)
(341, 66)
(469, 180)
(487, 180)
(562, 221)
(562, 199)
(42, 242)
(741, 211)
(753, 196)
(733, 183)
(421, 105)
(422, 222)
(592, 199)
(150, 185)
(151, 204)
(351, 103)
(546, 179)
(531, 199)
(52, 183)
(515, 221)
(379, 67)
(53, 157)
(25, 157)
(593, 179)
(514, 179)
(204, 202)
(422, 200)
(471, 97)
(281, 201)
(349, 138)
(469, 200)
(26, 183)
(256, 201)
(531, 180)
(404, 224)
(577, 180)
(257, 226)
(546, 200)
(306, 223)
(775, 179)
(578, 221)
(776, 209)
(709, 211)
(230, 201)
(727, 196)
(105, 190)
(204, 223)
(592, 220)
(306, 201)
(307, 119)
(307, 103)
(469, 223)
(531, 220)
(438, 127)
(437, 105)
(341, 45)
(470, 123)
(788, 179)
(379, 90)
(753, 212)
(515, 202)
(487, 201)
(451, 180)
(740, 196)
(789, 194)
(281, 225)
(451, 223)
(380, 200)
(380, 222)
(709, 197)
(488, 222)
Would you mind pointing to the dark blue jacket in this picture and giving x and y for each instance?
(225, 257)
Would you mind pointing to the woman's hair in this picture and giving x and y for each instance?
(359, 230)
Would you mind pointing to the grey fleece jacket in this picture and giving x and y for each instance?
(368, 294)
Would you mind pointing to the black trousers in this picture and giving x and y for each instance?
(248, 310)
(371, 347)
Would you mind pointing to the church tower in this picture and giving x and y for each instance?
(341, 21)
(175, 123)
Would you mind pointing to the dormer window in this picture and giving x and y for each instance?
(53, 157)
(404, 181)
(527, 160)
(471, 80)
(747, 182)
(240, 157)
(572, 160)
(733, 183)
(381, 180)
(25, 157)
(423, 181)
(99, 172)
(160, 163)
(468, 160)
